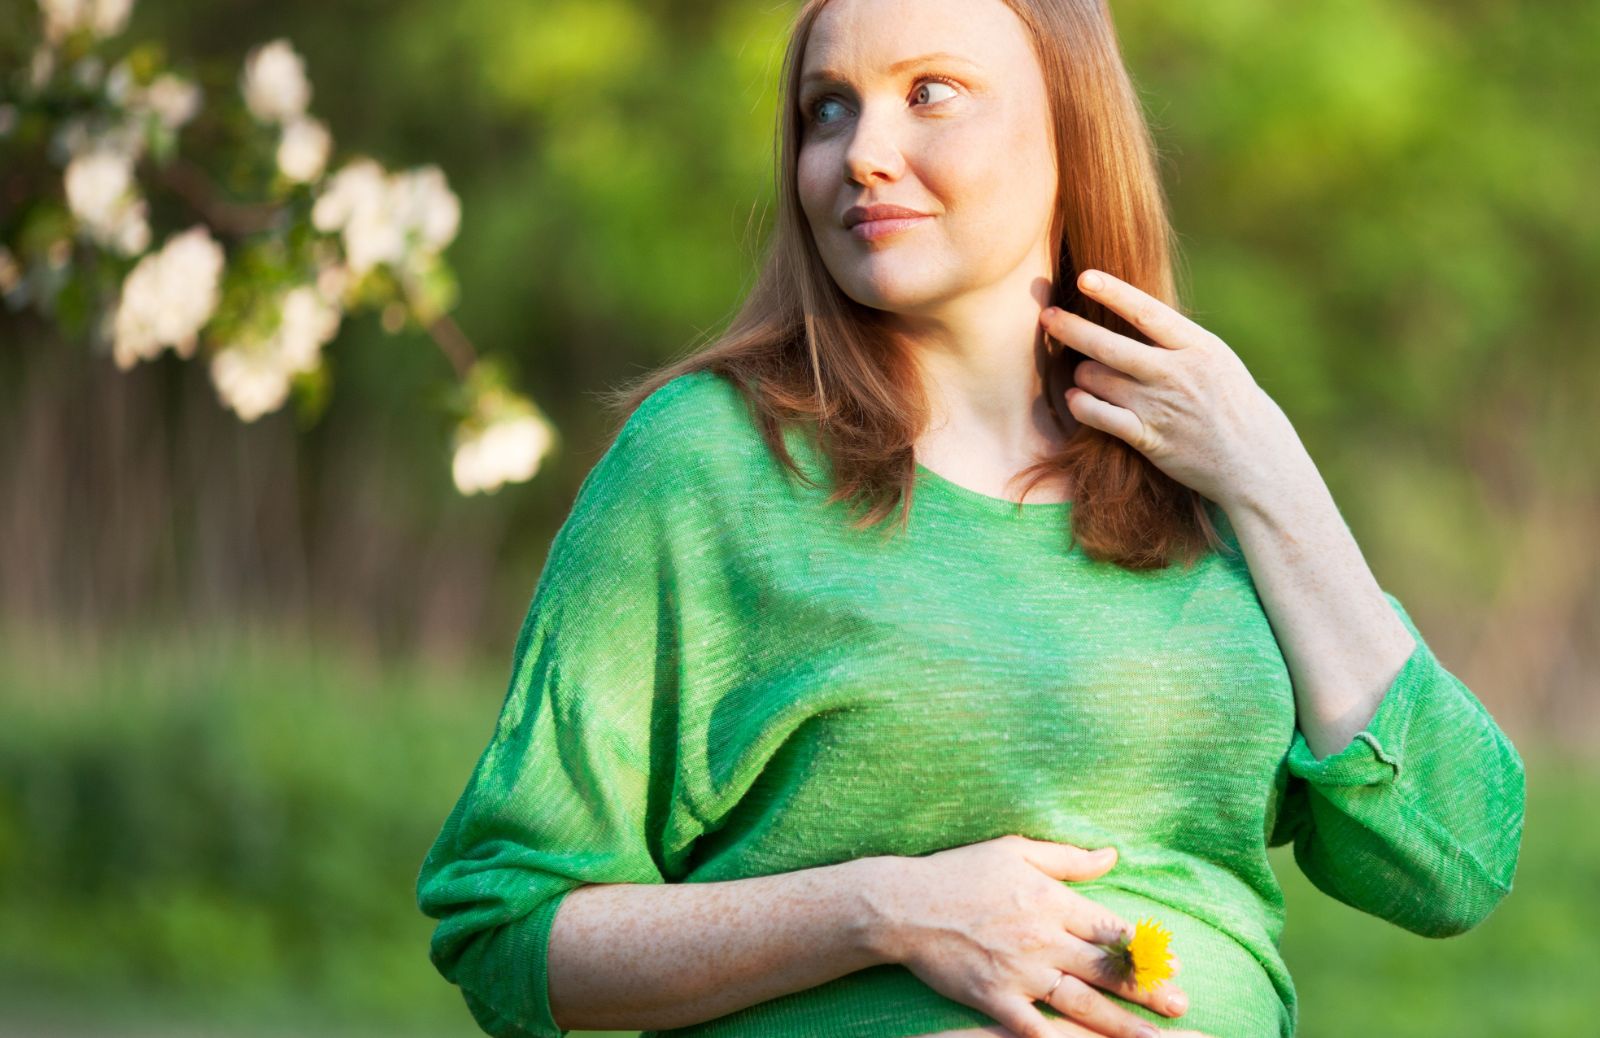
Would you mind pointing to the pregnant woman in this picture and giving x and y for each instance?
(814, 720)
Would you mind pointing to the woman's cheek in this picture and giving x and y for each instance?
(964, 161)
(807, 183)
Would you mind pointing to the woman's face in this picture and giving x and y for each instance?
(963, 138)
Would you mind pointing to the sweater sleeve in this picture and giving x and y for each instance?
(576, 785)
(1418, 820)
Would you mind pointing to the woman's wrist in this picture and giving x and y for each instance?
(875, 884)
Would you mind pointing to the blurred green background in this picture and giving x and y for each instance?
(245, 669)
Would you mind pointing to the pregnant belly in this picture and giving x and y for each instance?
(1230, 994)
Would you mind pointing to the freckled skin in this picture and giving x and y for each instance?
(625, 955)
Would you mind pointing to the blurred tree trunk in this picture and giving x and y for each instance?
(133, 500)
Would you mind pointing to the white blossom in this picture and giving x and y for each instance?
(505, 451)
(102, 195)
(274, 82)
(167, 297)
(361, 182)
(428, 206)
(172, 99)
(132, 236)
(101, 17)
(253, 378)
(358, 201)
(309, 321)
(373, 236)
(303, 148)
(385, 217)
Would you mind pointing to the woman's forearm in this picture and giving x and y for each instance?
(1343, 643)
(631, 956)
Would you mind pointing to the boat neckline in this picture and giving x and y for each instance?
(999, 506)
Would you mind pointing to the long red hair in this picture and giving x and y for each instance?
(801, 351)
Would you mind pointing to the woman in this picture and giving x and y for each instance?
(788, 772)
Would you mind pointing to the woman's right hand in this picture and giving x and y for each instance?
(992, 926)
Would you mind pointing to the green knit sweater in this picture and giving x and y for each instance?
(717, 678)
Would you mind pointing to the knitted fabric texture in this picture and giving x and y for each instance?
(717, 679)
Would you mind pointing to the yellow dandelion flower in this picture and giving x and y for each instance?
(1143, 958)
(1151, 962)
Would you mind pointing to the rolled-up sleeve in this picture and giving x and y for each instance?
(576, 785)
(1418, 820)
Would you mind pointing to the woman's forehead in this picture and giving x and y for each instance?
(890, 36)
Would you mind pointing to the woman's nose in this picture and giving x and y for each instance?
(874, 148)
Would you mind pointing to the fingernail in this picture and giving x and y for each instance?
(1091, 282)
(1177, 1003)
(1146, 1031)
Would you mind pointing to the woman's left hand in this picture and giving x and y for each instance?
(1187, 403)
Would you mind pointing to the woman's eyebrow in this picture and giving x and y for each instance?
(834, 76)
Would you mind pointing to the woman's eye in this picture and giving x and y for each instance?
(817, 107)
(930, 83)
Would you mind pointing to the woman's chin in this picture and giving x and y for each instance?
(896, 297)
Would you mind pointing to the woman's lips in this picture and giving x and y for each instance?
(872, 230)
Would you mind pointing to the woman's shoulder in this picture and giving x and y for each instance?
(652, 476)
(690, 437)
(693, 406)
(700, 426)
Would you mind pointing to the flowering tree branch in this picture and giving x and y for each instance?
(194, 186)
(260, 305)
(453, 343)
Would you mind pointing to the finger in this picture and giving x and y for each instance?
(1087, 928)
(1060, 1025)
(1101, 414)
(1066, 861)
(1087, 961)
(1089, 923)
(1023, 1019)
(1084, 1005)
(1093, 925)
(1161, 323)
(1107, 383)
(1112, 348)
